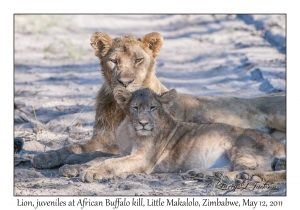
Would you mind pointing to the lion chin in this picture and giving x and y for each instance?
(144, 132)
(130, 88)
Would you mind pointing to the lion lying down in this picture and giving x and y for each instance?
(129, 62)
(151, 141)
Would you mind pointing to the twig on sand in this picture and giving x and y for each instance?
(76, 117)
(38, 127)
(20, 128)
(190, 182)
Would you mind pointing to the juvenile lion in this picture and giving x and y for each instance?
(159, 144)
(129, 62)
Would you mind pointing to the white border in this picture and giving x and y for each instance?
(153, 6)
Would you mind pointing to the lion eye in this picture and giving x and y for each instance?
(135, 108)
(152, 108)
(114, 60)
(139, 60)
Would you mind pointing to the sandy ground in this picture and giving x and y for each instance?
(57, 76)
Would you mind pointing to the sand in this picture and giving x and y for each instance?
(57, 76)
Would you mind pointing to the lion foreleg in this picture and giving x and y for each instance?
(74, 170)
(115, 167)
(266, 176)
(61, 156)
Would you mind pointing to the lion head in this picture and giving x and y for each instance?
(127, 61)
(144, 108)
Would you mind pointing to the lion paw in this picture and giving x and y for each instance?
(279, 164)
(199, 174)
(46, 160)
(90, 175)
(249, 176)
(71, 170)
(87, 176)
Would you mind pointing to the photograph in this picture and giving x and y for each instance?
(149, 105)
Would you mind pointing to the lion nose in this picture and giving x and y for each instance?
(124, 82)
(144, 123)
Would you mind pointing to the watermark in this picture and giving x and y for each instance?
(244, 185)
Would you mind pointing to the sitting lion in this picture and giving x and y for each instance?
(129, 62)
(151, 141)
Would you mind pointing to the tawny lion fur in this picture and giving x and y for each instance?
(130, 62)
(151, 141)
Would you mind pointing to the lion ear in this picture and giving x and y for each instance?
(101, 43)
(154, 42)
(122, 96)
(168, 97)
